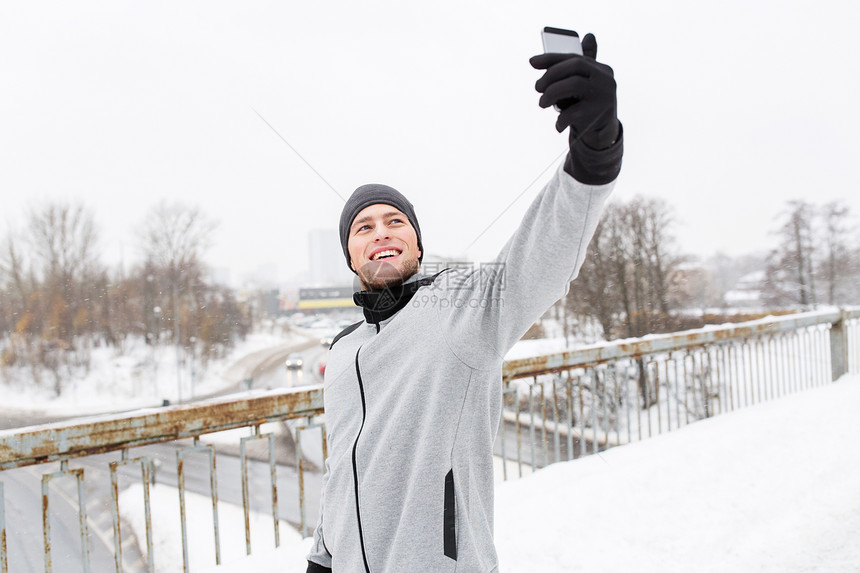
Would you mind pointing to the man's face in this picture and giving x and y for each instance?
(383, 247)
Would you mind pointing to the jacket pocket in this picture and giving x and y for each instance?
(449, 520)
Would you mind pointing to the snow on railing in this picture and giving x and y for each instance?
(556, 407)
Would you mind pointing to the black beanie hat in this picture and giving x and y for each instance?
(368, 195)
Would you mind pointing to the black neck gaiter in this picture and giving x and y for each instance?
(382, 304)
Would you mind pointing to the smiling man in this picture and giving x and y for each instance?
(381, 241)
(413, 392)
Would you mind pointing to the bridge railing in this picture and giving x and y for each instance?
(125, 437)
(556, 407)
(561, 406)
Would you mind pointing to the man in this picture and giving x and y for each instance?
(413, 393)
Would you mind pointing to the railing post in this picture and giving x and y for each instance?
(839, 347)
(4, 565)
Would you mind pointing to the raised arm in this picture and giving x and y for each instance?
(535, 267)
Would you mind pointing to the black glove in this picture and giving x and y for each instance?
(584, 90)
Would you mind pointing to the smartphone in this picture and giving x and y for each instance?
(560, 41)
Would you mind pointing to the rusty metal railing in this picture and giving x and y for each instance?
(556, 407)
(586, 400)
(66, 442)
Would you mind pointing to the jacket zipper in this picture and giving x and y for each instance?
(355, 465)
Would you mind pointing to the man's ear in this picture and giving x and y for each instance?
(352, 266)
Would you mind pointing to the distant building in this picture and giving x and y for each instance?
(748, 291)
(289, 299)
(325, 298)
(270, 299)
(691, 286)
(327, 265)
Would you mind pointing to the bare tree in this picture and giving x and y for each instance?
(624, 283)
(174, 238)
(47, 277)
(57, 299)
(839, 263)
(626, 277)
(790, 273)
(13, 277)
(593, 295)
(17, 320)
(63, 238)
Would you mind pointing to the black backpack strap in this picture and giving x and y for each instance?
(345, 331)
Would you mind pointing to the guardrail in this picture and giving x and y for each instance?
(614, 393)
(590, 398)
(121, 433)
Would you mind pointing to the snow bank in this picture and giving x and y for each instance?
(139, 376)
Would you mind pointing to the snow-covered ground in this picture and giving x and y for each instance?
(167, 531)
(139, 376)
(770, 488)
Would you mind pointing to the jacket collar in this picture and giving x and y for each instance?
(380, 305)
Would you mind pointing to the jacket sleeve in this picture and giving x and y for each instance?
(486, 310)
(319, 559)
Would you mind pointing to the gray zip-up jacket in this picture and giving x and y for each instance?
(413, 403)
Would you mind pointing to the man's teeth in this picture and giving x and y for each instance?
(385, 254)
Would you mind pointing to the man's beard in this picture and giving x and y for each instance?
(382, 276)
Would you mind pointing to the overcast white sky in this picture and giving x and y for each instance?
(729, 110)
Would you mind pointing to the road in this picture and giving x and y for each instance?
(24, 522)
(278, 376)
(266, 368)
